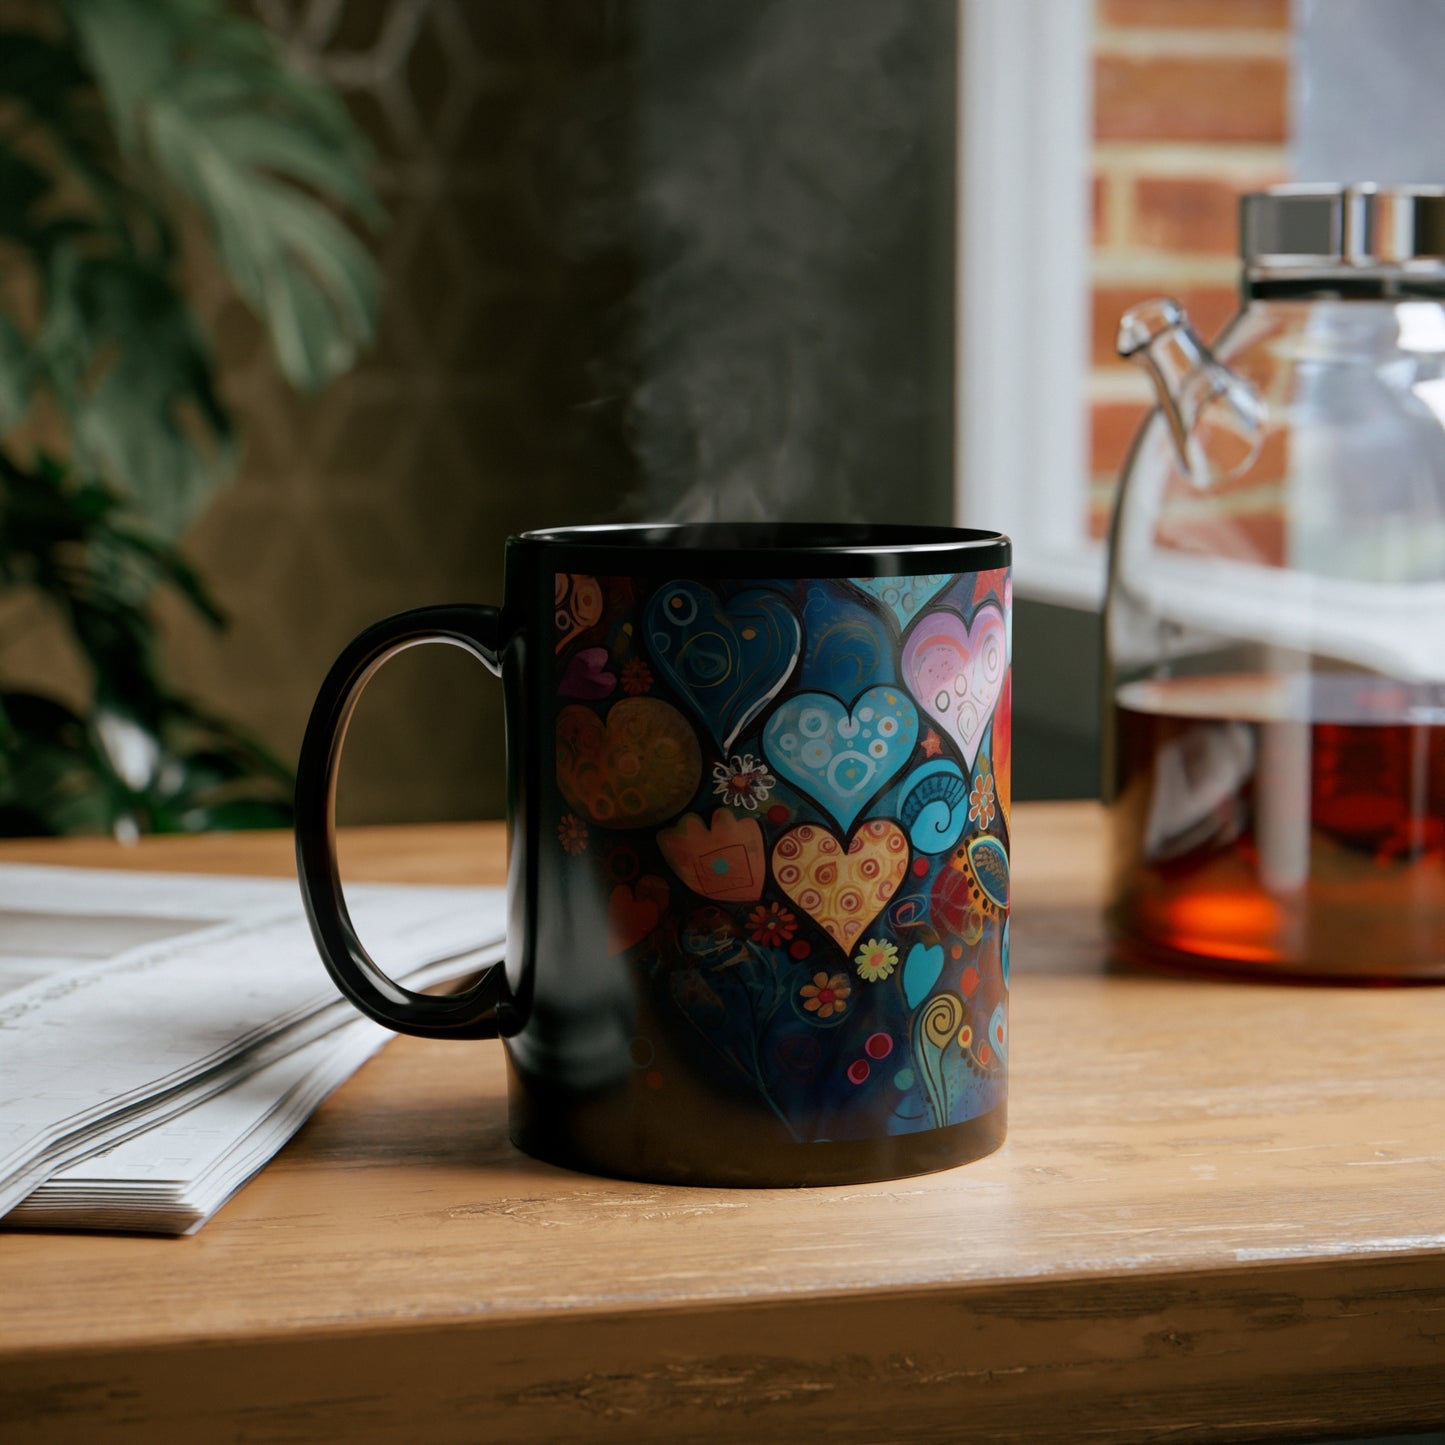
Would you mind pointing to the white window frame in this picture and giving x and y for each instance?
(1025, 122)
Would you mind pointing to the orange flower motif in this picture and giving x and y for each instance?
(980, 800)
(826, 995)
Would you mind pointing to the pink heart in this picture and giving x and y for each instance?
(587, 675)
(957, 671)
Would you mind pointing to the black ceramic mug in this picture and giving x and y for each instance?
(759, 848)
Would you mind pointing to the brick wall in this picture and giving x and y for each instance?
(1190, 111)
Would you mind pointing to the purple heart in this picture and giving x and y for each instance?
(587, 676)
(956, 671)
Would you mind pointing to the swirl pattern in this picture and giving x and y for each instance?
(935, 807)
(940, 1019)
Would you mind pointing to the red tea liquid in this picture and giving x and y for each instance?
(1281, 826)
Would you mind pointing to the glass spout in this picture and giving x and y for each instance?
(1216, 419)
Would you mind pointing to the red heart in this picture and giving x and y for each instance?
(631, 916)
(1003, 746)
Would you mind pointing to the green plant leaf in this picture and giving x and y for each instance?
(52, 783)
(264, 152)
(134, 105)
(17, 375)
(134, 378)
(53, 91)
(22, 185)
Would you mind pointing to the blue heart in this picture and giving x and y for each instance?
(920, 972)
(842, 757)
(905, 597)
(850, 646)
(727, 659)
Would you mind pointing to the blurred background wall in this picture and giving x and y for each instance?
(645, 258)
(1191, 106)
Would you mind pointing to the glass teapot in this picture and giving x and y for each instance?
(1275, 623)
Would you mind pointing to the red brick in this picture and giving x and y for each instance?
(1097, 201)
(1209, 307)
(1174, 97)
(1198, 14)
(1186, 213)
(1247, 536)
(1112, 427)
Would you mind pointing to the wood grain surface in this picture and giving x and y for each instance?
(1220, 1214)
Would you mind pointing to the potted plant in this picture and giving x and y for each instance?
(122, 123)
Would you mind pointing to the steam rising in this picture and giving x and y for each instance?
(784, 325)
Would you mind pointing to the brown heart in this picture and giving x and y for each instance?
(638, 768)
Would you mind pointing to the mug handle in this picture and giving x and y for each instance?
(471, 1014)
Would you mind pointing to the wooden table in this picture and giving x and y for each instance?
(1220, 1212)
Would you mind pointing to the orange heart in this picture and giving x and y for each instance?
(722, 859)
(638, 768)
(842, 892)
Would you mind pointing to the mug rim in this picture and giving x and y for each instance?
(767, 548)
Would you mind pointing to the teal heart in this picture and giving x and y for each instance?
(920, 972)
(905, 597)
(842, 757)
(727, 657)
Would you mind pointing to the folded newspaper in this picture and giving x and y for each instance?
(162, 1035)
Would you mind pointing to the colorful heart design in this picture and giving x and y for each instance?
(921, 970)
(728, 659)
(633, 914)
(638, 768)
(587, 676)
(723, 859)
(1001, 748)
(841, 892)
(998, 584)
(956, 670)
(904, 597)
(850, 646)
(842, 757)
(578, 602)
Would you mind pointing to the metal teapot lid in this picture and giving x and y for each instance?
(1342, 230)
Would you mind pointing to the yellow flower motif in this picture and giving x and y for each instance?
(876, 959)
